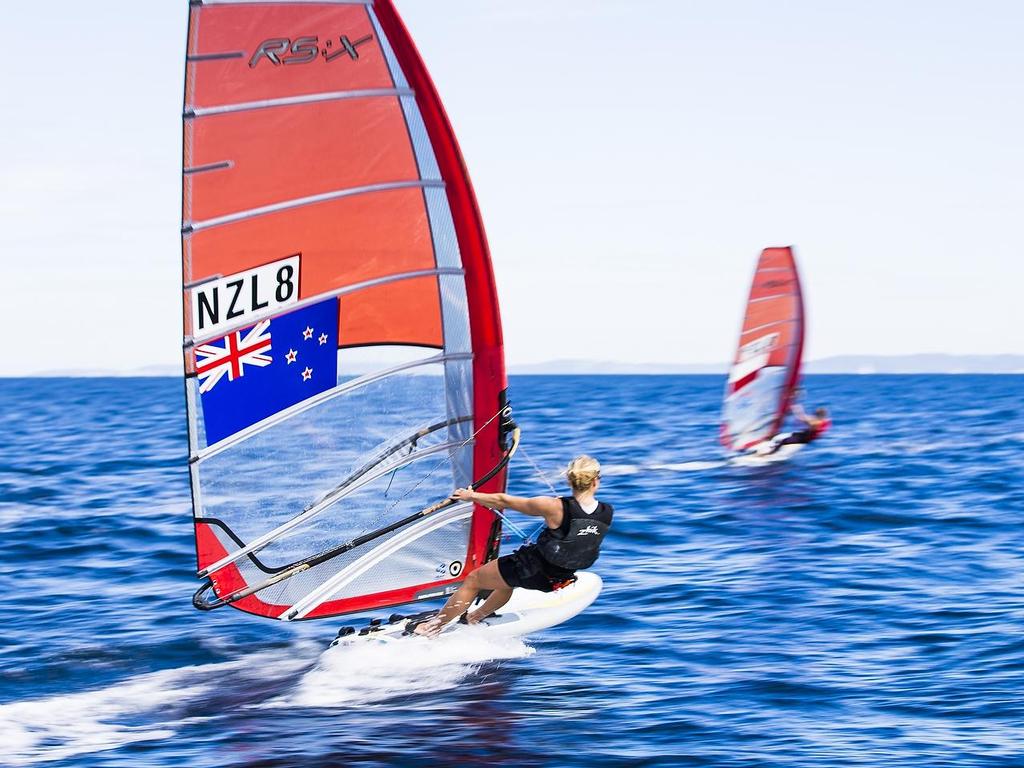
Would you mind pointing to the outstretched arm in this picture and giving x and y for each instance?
(800, 413)
(547, 507)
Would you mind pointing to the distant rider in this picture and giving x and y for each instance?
(576, 527)
(816, 426)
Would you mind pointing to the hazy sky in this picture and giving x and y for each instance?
(631, 158)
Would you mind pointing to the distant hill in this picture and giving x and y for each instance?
(144, 371)
(866, 364)
(922, 363)
(594, 367)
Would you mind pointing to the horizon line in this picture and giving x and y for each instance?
(860, 364)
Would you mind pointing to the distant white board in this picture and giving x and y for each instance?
(753, 459)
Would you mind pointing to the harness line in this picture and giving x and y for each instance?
(527, 537)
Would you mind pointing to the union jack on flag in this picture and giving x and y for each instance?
(213, 361)
(305, 365)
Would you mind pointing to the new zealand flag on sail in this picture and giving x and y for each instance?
(253, 373)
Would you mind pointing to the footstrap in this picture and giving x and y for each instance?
(415, 621)
(557, 585)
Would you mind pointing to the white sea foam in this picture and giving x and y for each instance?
(685, 466)
(80, 723)
(690, 466)
(620, 469)
(363, 672)
(623, 470)
(63, 726)
(59, 727)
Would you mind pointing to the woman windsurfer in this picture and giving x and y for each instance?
(576, 527)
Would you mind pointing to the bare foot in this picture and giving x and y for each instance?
(476, 617)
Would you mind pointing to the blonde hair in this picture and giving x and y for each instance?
(582, 472)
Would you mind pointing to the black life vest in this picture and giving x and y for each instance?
(576, 543)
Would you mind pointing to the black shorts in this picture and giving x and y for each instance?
(802, 437)
(527, 569)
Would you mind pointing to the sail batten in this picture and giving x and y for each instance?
(311, 98)
(323, 197)
(329, 228)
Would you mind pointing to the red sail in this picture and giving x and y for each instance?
(766, 368)
(322, 178)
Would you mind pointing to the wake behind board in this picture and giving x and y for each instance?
(528, 611)
(754, 459)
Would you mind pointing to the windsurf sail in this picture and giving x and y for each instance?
(766, 368)
(342, 341)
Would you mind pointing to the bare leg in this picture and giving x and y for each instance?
(486, 576)
(494, 601)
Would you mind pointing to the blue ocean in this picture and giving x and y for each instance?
(860, 605)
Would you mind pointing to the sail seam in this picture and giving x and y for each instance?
(323, 197)
(287, 101)
(255, 317)
(323, 397)
(397, 75)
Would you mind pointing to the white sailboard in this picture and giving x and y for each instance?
(528, 611)
(754, 459)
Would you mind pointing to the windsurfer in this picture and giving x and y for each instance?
(815, 427)
(575, 528)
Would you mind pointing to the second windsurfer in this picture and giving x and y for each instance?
(815, 427)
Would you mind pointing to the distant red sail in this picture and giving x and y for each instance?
(766, 368)
(321, 174)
